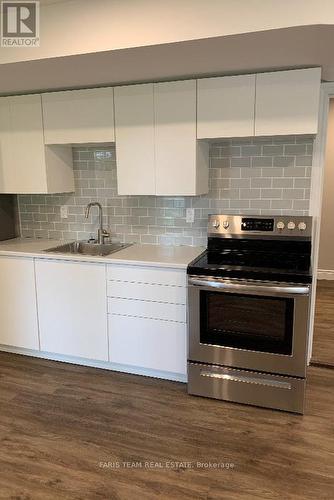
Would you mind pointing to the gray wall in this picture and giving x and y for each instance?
(326, 255)
(268, 175)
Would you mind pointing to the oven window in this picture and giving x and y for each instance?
(247, 322)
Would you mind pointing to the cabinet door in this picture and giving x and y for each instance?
(134, 122)
(72, 308)
(175, 138)
(26, 171)
(148, 343)
(79, 116)
(5, 138)
(18, 309)
(225, 106)
(287, 102)
(26, 165)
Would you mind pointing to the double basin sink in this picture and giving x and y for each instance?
(88, 248)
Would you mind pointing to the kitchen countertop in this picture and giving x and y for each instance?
(144, 255)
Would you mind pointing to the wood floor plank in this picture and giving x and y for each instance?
(323, 340)
(62, 422)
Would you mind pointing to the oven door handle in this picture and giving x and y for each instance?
(246, 379)
(247, 287)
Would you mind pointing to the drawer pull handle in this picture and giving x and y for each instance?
(248, 380)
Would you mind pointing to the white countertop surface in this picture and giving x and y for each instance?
(144, 255)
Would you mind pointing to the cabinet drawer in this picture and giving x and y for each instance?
(148, 343)
(161, 276)
(147, 291)
(140, 308)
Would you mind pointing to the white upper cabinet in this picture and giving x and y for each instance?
(179, 167)
(287, 102)
(277, 103)
(26, 164)
(134, 120)
(79, 116)
(225, 107)
(156, 147)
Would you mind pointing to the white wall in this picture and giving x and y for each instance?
(83, 26)
(326, 251)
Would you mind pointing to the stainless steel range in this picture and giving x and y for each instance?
(249, 300)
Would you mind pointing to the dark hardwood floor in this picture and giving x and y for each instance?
(58, 422)
(323, 343)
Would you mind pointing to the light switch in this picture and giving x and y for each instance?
(64, 212)
(190, 215)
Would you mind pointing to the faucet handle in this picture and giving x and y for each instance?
(105, 233)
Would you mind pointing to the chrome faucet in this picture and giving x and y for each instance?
(101, 233)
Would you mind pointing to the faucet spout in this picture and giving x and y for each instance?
(101, 233)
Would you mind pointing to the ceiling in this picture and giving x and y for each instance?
(295, 47)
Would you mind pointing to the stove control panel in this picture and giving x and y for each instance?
(255, 226)
(251, 224)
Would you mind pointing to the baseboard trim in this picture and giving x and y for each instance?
(104, 365)
(325, 274)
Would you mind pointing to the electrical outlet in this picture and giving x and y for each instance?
(190, 215)
(64, 212)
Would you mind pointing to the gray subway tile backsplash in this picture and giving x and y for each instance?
(264, 175)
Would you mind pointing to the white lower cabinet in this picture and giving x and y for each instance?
(18, 311)
(72, 308)
(132, 316)
(147, 318)
(148, 343)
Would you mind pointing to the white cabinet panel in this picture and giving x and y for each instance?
(27, 132)
(157, 275)
(225, 106)
(134, 122)
(145, 309)
(27, 166)
(175, 139)
(79, 116)
(140, 291)
(72, 308)
(148, 343)
(18, 309)
(6, 151)
(27, 170)
(287, 102)
(156, 146)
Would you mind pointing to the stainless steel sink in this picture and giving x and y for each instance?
(88, 248)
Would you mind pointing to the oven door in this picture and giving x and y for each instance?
(252, 325)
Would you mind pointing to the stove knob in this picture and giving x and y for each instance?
(302, 226)
(226, 224)
(216, 224)
(291, 225)
(280, 225)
